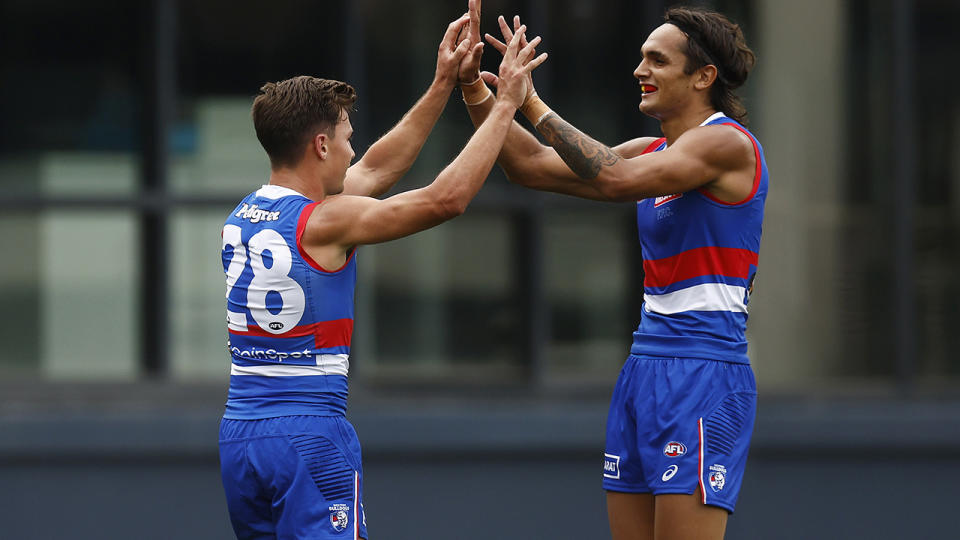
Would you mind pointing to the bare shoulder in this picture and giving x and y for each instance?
(332, 215)
(721, 145)
(634, 147)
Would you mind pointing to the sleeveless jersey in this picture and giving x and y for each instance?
(699, 260)
(289, 321)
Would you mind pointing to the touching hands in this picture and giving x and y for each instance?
(452, 52)
(508, 37)
(469, 69)
(518, 62)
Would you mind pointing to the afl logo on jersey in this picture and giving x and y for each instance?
(674, 449)
(665, 199)
(276, 325)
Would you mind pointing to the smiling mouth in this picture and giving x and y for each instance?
(647, 89)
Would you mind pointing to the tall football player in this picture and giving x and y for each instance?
(290, 461)
(683, 408)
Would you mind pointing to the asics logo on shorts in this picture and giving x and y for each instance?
(668, 474)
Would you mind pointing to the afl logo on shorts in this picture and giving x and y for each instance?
(339, 517)
(674, 449)
(718, 477)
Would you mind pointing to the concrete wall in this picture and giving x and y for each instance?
(481, 469)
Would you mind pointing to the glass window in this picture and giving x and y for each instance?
(222, 154)
(71, 113)
(587, 266)
(198, 331)
(88, 295)
(222, 66)
(441, 303)
(20, 283)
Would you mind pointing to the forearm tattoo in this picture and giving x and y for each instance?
(582, 154)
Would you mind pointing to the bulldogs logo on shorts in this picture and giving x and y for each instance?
(339, 517)
(718, 477)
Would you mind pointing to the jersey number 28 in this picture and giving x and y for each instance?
(266, 280)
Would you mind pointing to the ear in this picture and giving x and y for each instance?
(705, 77)
(320, 145)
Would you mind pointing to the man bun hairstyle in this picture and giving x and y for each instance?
(713, 39)
(287, 114)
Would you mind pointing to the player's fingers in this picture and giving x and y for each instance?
(529, 50)
(490, 78)
(535, 63)
(477, 51)
(453, 29)
(516, 26)
(497, 44)
(473, 8)
(514, 44)
(461, 49)
(504, 29)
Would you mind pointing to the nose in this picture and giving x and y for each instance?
(639, 72)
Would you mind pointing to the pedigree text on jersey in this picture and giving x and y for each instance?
(255, 215)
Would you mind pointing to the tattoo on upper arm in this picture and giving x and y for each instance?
(582, 154)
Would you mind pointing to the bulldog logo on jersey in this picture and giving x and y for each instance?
(339, 517)
(718, 477)
(674, 449)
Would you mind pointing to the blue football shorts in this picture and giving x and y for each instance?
(678, 424)
(293, 477)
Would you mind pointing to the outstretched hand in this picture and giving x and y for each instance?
(469, 69)
(518, 62)
(508, 36)
(452, 52)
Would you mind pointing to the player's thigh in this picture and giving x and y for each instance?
(631, 515)
(685, 517)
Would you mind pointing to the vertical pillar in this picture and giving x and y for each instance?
(798, 115)
(905, 191)
(159, 87)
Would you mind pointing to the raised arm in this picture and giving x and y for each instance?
(531, 164)
(719, 158)
(344, 220)
(525, 160)
(393, 154)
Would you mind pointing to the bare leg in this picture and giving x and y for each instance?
(685, 517)
(631, 515)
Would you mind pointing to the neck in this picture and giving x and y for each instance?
(298, 181)
(674, 127)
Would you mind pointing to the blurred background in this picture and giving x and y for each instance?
(486, 349)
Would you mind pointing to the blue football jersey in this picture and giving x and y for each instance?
(700, 257)
(289, 320)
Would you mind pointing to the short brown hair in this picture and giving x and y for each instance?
(287, 114)
(713, 39)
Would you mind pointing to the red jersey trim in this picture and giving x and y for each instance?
(335, 333)
(705, 261)
(653, 146)
(756, 176)
(302, 226)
